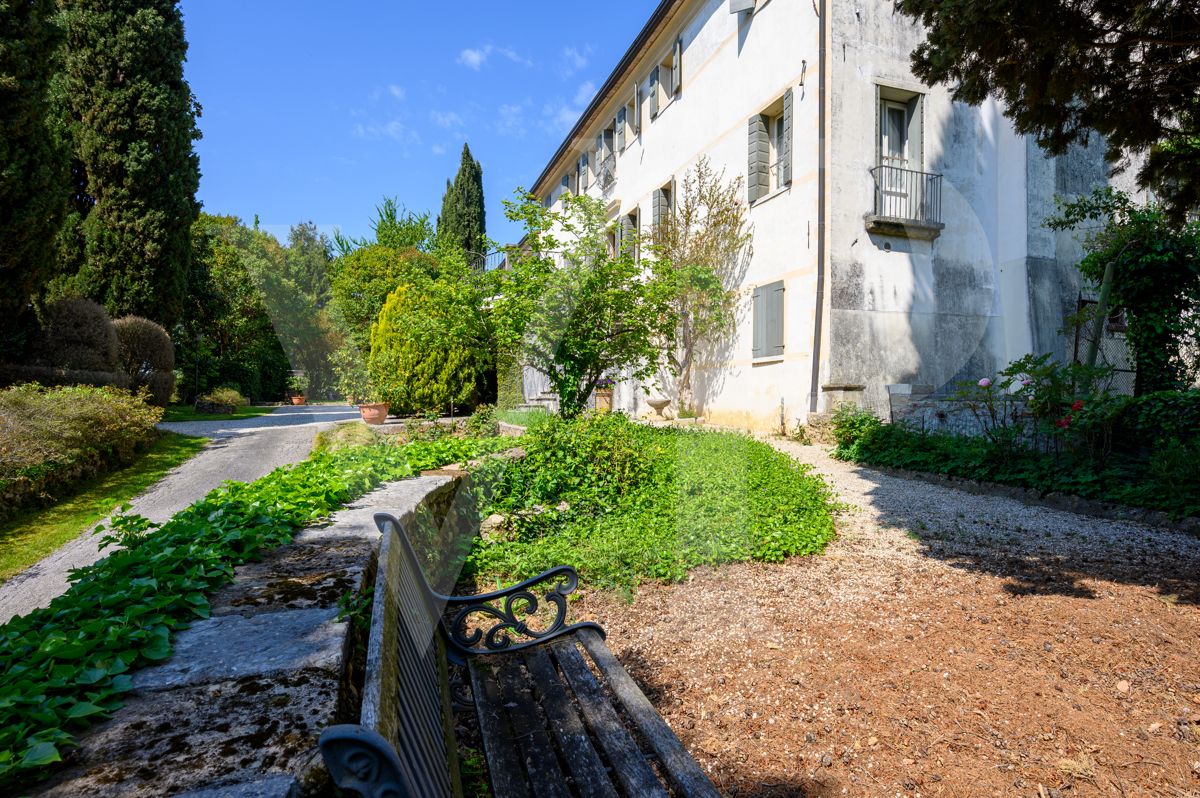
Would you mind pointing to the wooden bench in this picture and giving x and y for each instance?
(548, 725)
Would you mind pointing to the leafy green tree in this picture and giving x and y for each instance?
(701, 252)
(1156, 280)
(239, 344)
(393, 226)
(308, 257)
(575, 310)
(1065, 67)
(463, 220)
(362, 280)
(33, 164)
(130, 119)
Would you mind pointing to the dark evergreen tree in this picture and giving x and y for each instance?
(463, 219)
(130, 119)
(33, 173)
(309, 254)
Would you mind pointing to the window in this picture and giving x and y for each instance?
(908, 200)
(666, 79)
(606, 159)
(768, 320)
(898, 122)
(893, 135)
(770, 157)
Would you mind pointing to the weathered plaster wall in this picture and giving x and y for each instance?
(996, 284)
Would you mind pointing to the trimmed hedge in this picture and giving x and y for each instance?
(54, 437)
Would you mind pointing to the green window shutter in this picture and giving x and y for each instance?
(671, 201)
(637, 109)
(628, 234)
(774, 334)
(654, 92)
(758, 172)
(621, 130)
(786, 150)
(677, 67)
(657, 200)
(759, 314)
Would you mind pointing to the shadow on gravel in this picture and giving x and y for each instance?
(1040, 551)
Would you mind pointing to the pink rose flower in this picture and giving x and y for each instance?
(985, 383)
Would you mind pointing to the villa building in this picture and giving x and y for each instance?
(898, 236)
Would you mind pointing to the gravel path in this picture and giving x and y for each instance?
(945, 644)
(241, 451)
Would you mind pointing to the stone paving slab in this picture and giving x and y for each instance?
(186, 739)
(281, 786)
(232, 647)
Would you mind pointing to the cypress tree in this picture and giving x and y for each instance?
(130, 118)
(33, 173)
(462, 220)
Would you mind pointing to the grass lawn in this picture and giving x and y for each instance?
(522, 418)
(187, 413)
(31, 535)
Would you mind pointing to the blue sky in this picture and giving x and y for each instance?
(315, 111)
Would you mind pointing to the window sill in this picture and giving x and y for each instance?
(771, 196)
(763, 361)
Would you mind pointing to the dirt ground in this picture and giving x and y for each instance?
(946, 644)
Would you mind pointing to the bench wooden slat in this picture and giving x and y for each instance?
(541, 765)
(684, 771)
(584, 764)
(628, 764)
(504, 764)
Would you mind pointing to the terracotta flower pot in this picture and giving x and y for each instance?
(297, 400)
(375, 413)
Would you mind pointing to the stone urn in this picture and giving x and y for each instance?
(374, 412)
(297, 400)
(659, 403)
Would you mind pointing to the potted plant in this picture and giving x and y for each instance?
(297, 387)
(604, 394)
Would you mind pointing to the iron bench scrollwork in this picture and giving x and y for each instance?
(536, 739)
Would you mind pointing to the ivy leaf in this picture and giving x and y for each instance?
(82, 709)
(159, 648)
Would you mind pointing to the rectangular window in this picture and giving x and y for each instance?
(768, 320)
(770, 156)
(660, 203)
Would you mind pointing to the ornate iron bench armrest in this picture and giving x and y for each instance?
(518, 599)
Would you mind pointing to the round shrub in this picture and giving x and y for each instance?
(413, 376)
(162, 386)
(145, 348)
(77, 334)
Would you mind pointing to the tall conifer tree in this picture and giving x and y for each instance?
(462, 219)
(130, 118)
(33, 173)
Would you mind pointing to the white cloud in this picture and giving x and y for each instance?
(572, 60)
(446, 119)
(396, 91)
(393, 129)
(438, 149)
(476, 58)
(512, 121)
(561, 115)
(586, 92)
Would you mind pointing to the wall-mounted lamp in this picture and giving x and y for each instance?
(803, 69)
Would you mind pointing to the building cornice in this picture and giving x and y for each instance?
(617, 80)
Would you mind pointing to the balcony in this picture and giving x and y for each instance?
(907, 203)
(606, 173)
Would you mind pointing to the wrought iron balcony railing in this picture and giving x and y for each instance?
(907, 202)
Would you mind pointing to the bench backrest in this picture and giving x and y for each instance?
(406, 697)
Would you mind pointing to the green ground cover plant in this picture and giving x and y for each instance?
(623, 502)
(522, 418)
(65, 667)
(188, 413)
(31, 535)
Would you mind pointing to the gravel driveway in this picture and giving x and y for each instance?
(241, 451)
(946, 644)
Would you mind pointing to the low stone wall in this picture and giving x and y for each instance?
(237, 709)
(924, 411)
(216, 408)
